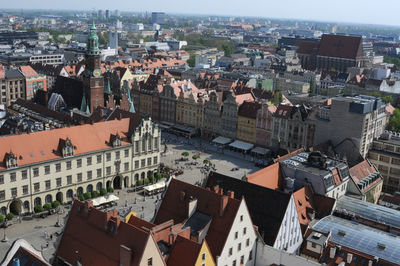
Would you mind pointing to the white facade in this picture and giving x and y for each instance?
(289, 237)
(240, 245)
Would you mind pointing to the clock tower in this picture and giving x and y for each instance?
(93, 81)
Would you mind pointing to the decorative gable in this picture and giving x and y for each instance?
(11, 160)
(115, 140)
(65, 147)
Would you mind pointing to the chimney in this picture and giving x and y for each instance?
(181, 195)
(230, 194)
(332, 252)
(125, 256)
(223, 203)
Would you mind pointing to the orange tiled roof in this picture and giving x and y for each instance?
(28, 71)
(268, 177)
(2, 72)
(244, 97)
(41, 146)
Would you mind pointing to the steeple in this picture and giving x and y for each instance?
(83, 103)
(93, 41)
(107, 90)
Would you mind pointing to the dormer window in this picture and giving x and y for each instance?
(116, 140)
(11, 160)
(68, 148)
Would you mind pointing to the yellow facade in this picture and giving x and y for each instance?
(189, 112)
(205, 257)
(246, 129)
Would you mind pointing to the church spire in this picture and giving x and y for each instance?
(93, 41)
(83, 103)
(107, 90)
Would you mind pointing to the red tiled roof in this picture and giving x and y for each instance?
(28, 71)
(96, 236)
(42, 146)
(340, 46)
(389, 109)
(283, 111)
(362, 170)
(2, 72)
(268, 177)
(244, 97)
(184, 252)
(174, 207)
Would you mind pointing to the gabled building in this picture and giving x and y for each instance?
(212, 113)
(247, 114)
(273, 212)
(367, 183)
(22, 252)
(94, 237)
(33, 81)
(264, 125)
(223, 221)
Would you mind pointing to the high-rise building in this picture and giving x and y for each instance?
(108, 13)
(117, 13)
(113, 38)
(158, 18)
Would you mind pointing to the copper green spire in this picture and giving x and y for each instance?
(108, 88)
(93, 41)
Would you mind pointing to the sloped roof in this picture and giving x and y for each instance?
(267, 207)
(184, 252)
(39, 146)
(307, 202)
(269, 177)
(339, 46)
(284, 111)
(306, 47)
(28, 71)
(174, 207)
(249, 109)
(97, 237)
(361, 171)
(244, 97)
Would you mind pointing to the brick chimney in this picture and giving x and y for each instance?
(230, 194)
(223, 203)
(125, 255)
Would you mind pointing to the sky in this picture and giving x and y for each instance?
(354, 11)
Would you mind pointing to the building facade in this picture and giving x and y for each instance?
(385, 155)
(60, 164)
(264, 125)
(247, 114)
(212, 114)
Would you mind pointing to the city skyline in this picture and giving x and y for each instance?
(340, 11)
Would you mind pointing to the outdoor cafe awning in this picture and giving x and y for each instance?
(105, 199)
(260, 151)
(155, 186)
(222, 140)
(241, 145)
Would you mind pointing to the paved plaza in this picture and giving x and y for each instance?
(34, 230)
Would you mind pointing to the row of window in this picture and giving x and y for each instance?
(242, 259)
(68, 165)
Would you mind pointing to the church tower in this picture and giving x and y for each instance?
(93, 81)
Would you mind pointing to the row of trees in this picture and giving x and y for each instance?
(95, 193)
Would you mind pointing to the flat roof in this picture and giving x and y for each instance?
(241, 145)
(370, 211)
(361, 238)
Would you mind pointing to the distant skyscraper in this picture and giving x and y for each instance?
(158, 18)
(101, 13)
(113, 36)
(108, 13)
(117, 13)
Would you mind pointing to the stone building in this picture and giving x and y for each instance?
(60, 164)
(264, 125)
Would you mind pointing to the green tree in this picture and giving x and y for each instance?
(228, 49)
(139, 182)
(38, 209)
(392, 60)
(81, 197)
(10, 216)
(185, 153)
(277, 98)
(1, 218)
(55, 204)
(394, 123)
(192, 60)
(110, 190)
(103, 191)
(206, 161)
(95, 194)
(195, 157)
(87, 195)
(146, 181)
(47, 206)
(388, 99)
